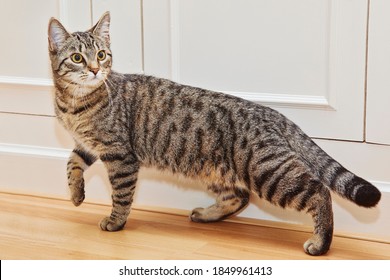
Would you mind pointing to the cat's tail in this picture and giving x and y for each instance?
(349, 185)
(332, 173)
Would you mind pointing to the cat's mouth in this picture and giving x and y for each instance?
(94, 79)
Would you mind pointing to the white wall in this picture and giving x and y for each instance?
(305, 58)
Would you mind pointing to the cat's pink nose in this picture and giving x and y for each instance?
(94, 70)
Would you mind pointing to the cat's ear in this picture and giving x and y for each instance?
(102, 27)
(57, 35)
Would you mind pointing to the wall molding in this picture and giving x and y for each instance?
(286, 100)
(25, 150)
(26, 81)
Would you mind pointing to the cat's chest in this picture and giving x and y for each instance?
(84, 130)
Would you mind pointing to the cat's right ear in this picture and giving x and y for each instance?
(57, 35)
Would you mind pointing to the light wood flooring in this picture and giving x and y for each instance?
(42, 228)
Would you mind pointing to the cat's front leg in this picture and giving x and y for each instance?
(123, 172)
(79, 161)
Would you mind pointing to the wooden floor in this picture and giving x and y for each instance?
(41, 228)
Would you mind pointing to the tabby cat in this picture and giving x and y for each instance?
(235, 147)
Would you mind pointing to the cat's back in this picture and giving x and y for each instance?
(163, 97)
(184, 126)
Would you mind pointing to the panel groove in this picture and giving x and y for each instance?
(286, 100)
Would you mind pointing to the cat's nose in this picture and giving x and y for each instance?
(94, 70)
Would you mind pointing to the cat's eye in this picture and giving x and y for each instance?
(77, 58)
(101, 55)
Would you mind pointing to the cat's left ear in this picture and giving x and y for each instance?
(102, 27)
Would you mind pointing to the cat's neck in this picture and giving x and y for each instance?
(75, 96)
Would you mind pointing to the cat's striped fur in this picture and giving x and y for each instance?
(234, 146)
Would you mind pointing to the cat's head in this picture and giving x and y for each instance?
(80, 59)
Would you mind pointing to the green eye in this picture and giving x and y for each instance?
(77, 58)
(101, 55)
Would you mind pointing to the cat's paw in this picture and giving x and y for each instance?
(77, 192)
(196, 215)
(202, 215)
(110, 224)
(77, 199)
(315, 247)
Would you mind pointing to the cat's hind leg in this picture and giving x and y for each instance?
(319, 206)
(229, 201)
(287, 182)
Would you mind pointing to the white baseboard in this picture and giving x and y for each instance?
(41, 171)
